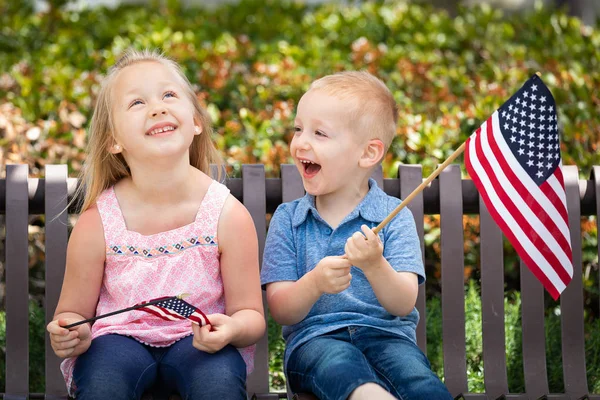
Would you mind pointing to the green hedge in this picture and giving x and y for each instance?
(253, 60)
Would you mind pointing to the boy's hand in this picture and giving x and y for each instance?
(332, 274)
(364, 250)
(224, 329)
(67, 343)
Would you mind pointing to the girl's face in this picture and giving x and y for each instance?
(152, 115)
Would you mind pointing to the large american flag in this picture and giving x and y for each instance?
(174, 309)
(514, 161)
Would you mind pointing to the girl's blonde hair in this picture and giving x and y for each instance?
(103, 169)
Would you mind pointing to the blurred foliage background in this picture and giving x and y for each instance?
(251, 62)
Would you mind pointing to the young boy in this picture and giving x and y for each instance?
(346, 296)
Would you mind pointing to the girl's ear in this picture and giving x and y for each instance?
(115, 148)
(372, 154)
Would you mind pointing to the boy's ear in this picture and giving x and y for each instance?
(372, 154)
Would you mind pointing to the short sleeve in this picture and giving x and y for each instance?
(279, 258)
(401, 247)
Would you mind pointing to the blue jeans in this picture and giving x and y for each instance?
(333, 365)
(118, 367)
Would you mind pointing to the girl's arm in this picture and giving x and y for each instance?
(240, 272)
(81, 285)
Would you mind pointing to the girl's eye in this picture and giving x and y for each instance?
(169, 94)
(297, 129)
(319, 133)
(135, 103)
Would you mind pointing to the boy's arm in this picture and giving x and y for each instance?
(290, 293)
(290, 302)
(396, 291)
(396, 273)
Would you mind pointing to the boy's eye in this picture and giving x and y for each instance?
(297, 129)
(319, 133)
(169, 94)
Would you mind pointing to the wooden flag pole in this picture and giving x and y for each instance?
(420, 188)
(426, 182)
(181, 296)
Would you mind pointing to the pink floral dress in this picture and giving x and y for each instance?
(140, 267)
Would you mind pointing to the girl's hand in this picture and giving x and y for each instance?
(69, 343)
(364, 250)
(224, 329)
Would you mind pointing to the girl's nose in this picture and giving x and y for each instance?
(159, 111)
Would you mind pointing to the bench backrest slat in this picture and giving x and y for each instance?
(453, 297)
(533, 334)
(55, 187)
(410, 177)
(596, 181)
(17, 281)
(291, 183)
(571, 300)
(492, 304)
(254, 198)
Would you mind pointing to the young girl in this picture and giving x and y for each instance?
(154, 224)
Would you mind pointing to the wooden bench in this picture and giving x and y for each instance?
(449, 196)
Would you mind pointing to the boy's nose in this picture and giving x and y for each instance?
(301, 141)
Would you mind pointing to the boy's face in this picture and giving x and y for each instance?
(325, 147)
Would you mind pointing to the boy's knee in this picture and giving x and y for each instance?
(370, 390)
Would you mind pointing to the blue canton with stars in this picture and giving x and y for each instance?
(179, 306)
(529, 125)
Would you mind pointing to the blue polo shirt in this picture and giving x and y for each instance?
(299, 238)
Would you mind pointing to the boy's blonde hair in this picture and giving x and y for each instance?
(374, 105)
(103, 169)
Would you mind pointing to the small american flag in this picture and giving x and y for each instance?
(174, 309)
(514, 161)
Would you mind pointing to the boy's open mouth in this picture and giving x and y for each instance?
(310, 168)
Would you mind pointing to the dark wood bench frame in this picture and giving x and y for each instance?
(449, 195)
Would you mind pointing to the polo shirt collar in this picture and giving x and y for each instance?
(372, 207)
